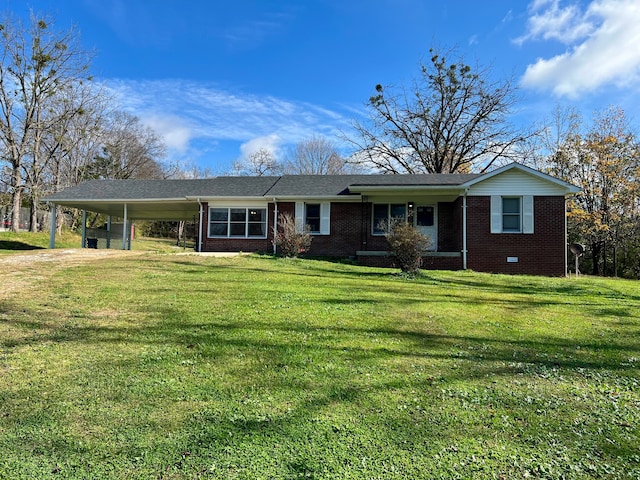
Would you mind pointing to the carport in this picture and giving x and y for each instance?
(130, 200)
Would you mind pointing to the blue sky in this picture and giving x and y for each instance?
(220, 79)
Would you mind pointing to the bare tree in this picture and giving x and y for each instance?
(128, 150)
(259, 163)
(315, 155)
(453, 119)
(35, 63)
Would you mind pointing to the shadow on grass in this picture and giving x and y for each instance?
(314, 391)
(15, 245)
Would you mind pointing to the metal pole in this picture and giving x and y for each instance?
(124, 229)
(52, 227)
(109, 231)
(84, 229)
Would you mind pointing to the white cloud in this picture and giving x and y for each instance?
(608, 53)
(175, 132)
(270, 143)
(549, 21)
(187, 112)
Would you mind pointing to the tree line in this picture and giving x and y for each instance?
(59, 128)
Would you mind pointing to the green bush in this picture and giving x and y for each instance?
(407, 244)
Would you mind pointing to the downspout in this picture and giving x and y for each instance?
(200, 226)
(275, 225)
(464, 230)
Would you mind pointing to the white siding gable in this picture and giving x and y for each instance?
(515, 182)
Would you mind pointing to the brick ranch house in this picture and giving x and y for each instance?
(511, 220)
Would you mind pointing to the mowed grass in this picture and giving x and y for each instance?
(175, 366)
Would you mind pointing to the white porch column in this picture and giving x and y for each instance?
(108, 231)
(84, 229)
(464, 231)
(124, 228)
(52, 226)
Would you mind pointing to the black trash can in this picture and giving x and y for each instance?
(92, 243)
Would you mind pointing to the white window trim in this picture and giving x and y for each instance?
(325, 217)
(526, 214)
(246, 229)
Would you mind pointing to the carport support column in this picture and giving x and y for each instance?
(84, 229)
(109, 231)
(124, 228)
(52, 226)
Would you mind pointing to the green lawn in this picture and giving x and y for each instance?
(144, 365)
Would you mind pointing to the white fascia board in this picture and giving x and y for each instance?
(325, 198)
(230, 198)
(118, 200)
(407, 189)
(523, 168)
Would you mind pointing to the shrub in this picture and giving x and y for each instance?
(407, 244)
(289, 240)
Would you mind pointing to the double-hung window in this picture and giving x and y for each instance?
(384, 214)
(512, 214)
(238, 222)
(313, 217)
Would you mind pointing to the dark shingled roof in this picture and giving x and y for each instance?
(287, 185)
(165, 189)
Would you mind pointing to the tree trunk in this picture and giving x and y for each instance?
(17, 200)
(595, 256)
(33, 224)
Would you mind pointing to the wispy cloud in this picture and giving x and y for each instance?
(602, 44)
(188, 113)
(549, 21)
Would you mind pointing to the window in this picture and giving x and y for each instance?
(238, 222)
(511, 210)
(424, 216)
(510, 214)
(312, 217)
(386, 213)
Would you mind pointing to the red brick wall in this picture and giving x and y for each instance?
(236, 244)
(346, 232)
(450, 226)
(540, 253)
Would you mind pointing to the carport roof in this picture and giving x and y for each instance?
(178, 199)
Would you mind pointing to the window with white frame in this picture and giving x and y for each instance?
(384, 214)
(232, 222)
(512, 214)
(312, 217)
(316, 217)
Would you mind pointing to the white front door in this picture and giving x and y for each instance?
(426, 220)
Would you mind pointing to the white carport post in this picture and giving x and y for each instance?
(124, 228)
(84, 229)
(108, 231)
(52, 227)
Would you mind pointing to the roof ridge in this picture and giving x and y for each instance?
(272, 185)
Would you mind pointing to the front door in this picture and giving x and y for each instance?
(426, 221)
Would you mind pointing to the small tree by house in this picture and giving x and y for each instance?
(289, 239)
(407, 244)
